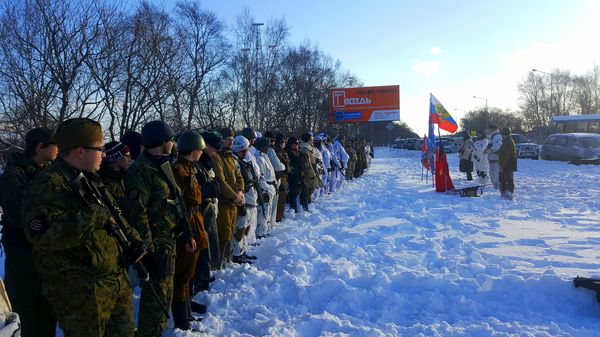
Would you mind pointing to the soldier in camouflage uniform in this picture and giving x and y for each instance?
(113, 168)
(145, 206)
(352, 157)
(81, 265)
(23, 284)
(190, 146)
(279, 147)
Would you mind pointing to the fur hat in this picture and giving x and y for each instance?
(240, 143)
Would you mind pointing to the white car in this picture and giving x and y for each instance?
(524, 147)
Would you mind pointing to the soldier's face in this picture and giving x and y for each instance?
(49, 152)
(227, 142)
(92, 157)
(168, 146)
(196, 154)
(124, 161)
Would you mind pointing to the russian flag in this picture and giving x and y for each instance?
(440, 116)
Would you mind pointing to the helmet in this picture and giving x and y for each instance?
(190, 141)
(505, 131)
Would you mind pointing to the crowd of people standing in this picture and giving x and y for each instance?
(85, 222)
(491, 154)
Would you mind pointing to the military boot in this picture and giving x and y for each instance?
(180, 316)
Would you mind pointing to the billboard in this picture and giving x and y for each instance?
(368, 104)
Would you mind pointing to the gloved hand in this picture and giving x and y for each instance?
(135, 251)
(241, 210)
(265, 197)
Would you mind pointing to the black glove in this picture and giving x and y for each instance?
(134, 251)
(241, 210)
(265, 197)
(279, 174)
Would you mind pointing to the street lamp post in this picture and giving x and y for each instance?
(487, 114)
(551, 88)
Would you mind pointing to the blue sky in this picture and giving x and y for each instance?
(454, 49)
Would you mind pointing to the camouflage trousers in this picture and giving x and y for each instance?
(24, 289)
(152, 321)
(91, 308)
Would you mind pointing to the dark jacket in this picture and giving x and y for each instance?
(507, 154)
(19, 171)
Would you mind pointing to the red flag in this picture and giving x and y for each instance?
(424, 157)
(443, 181)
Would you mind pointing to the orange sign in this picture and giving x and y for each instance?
(368, 104)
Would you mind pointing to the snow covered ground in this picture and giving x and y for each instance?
(388, 256)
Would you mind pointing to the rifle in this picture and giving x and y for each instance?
(102, 197)
(588, 283)
(181, 211)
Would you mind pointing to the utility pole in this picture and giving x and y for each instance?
(257, 52)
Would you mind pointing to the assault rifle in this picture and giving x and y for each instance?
(81, 185)
(588, 283)
(181, 211)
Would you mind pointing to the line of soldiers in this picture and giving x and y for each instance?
(84, 222)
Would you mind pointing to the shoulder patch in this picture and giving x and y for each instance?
(133, 194)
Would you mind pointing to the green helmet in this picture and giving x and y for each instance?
(190, 141)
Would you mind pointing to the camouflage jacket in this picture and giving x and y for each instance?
(68, 231)
(185, 172)
(19, 171)
(145, 204)
(228, 176)
(113, 181)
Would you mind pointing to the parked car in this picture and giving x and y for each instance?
(398, 144)
(412, 144)
(571, 147)
(524, 147)
(449, 146)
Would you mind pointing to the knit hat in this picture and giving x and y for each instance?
(505, 131)
(190, 141)
(133, 140)
(240, 143)
(262, 143)
(249, 133)
(214, 139)
(114, 151)
(76, 132)
(155, 133)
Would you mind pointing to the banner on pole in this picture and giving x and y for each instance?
(367, 104)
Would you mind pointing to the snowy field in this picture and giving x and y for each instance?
(388, 256)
